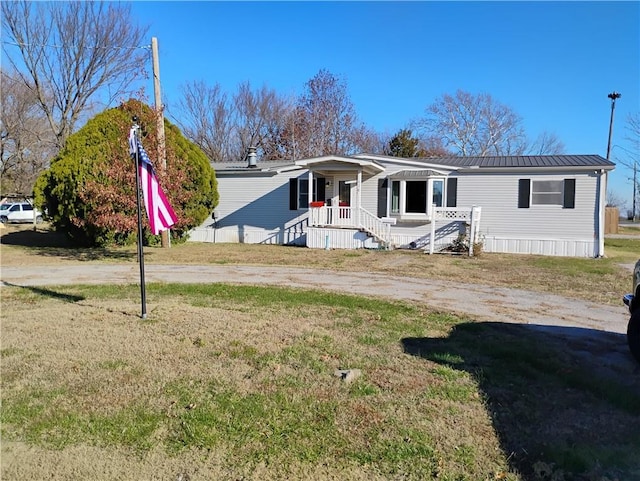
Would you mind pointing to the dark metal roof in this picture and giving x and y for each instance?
(488, 162)
(262, 167)
(510, 161)
(415, 174)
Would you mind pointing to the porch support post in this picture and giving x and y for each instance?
(432, 238)
(310, 187)
(359, 194)
(472, 228)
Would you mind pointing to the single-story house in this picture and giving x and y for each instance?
(540, 204)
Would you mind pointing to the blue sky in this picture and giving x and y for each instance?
(552, 62)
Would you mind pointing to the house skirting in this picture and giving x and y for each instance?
(320, 237)
(330, 238)
(247, 235)
(546, 247)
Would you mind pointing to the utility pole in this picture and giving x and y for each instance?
(613, 96)
(635, 190)
(162, 153)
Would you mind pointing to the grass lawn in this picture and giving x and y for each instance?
(227, 382)
(602, 280)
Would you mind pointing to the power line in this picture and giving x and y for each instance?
(19, 44)
(630, 152)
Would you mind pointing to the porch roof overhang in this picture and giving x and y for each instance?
(332, 163)
(416, 174)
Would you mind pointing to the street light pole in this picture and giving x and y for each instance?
(635, 187)
(613, 96)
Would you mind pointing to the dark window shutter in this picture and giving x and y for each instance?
(452, 192)
(320, 189)
(524, 193)
(382, 197)
(569, 194)
(293, 194)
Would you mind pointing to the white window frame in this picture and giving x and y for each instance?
(304, 192)
(557, 191)
(401, 212)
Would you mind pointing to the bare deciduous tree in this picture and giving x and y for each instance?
(205, 117)
(633, 130)
(69, 52)
(325, 118)
(632, 160)
(474, 125)
(260, 116)
(322, 121)
(614, 200)
(367, 140)
(546, 144)
(225, 128)
(26, 141)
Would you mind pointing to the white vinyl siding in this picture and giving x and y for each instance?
(370, 193)
(255, 208)
(497, 194)
(255, 201)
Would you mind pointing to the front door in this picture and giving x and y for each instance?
(344, 193)
(345, 188)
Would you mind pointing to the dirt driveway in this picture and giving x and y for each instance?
(588, 328)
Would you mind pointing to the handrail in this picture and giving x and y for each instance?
(339, 216)
(372, 224)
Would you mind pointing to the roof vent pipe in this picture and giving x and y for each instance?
(251, 156)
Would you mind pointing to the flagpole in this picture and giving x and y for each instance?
(143, 295)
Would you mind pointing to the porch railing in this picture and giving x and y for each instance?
(469, 215)
(375, 226)
(339, 216)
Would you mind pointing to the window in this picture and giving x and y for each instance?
(437, 193)
(415, 199)
(303, 193)
(546, 192)
(299, 192)
(395, 197)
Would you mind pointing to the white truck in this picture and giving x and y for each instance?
(20, 212)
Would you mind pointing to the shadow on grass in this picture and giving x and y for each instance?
(49, 293)
(564, 402)
(49, 243)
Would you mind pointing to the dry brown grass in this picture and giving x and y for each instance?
(98, 359)
(90, 356)
(599, 280)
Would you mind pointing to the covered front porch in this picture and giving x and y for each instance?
(335, 190)
(416, 218)
(365, 227)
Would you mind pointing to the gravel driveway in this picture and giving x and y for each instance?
(586, 327)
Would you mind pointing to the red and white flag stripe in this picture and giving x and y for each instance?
(159, 211)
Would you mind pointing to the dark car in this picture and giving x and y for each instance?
(633, 301)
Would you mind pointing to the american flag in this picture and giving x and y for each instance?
(161, 215)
